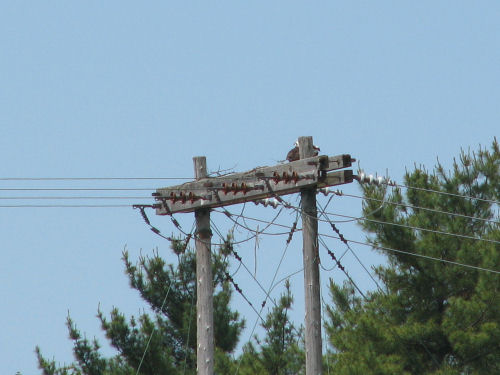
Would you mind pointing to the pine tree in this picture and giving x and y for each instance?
(164, 343)
(280, 352)
(430, 317)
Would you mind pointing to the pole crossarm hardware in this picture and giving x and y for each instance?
(259, 183)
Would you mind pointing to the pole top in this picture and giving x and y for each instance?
(200, 167)
(306, 148)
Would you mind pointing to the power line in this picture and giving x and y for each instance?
(262, 221)
(420, 229)
(77, 189)
(353, 218)
(254, 231)
(444, 193)
(342, 238)
(238, 289)
(154, 329)
(340, 266)
(188, 332)
(417, 207)
(416, 255)
(286, 278)
(69, 198)
(66, 206)
(238, 257)
(362, 178)
(384, 248)
(393, 250)
(272, 284)
(91, 178)
(177, 225)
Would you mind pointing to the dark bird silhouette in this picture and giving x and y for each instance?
(293, 154)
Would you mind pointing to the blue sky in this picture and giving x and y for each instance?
(121, 89)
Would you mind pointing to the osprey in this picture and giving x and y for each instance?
(293, 154)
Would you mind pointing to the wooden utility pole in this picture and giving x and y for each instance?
(311, 269)
(306, 175)
(204, 283)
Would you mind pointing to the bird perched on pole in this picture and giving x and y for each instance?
(293, 154)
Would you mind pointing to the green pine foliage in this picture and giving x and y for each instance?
(281, 351)
(430, 317)
(169, 334)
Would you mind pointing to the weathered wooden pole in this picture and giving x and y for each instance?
(204, 283)
(311, 270)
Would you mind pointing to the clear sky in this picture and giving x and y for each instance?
(128, 89)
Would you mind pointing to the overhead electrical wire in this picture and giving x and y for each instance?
(418, 228)
(286, 278)
(69, 198)
(254, 231)
(364, 218)
(325, 340)
(248, 218)
(176, 223)
(362, 178)
(267, 293)
(188, 332)
(78, 189)
(416, 255)
(262, 221)
(394, 250)
(402, 251)
(322, 211)
(342, 238)
(443, 193)
(236, 223)
(339, 265)
(91, 178)
(153, 331)
(66, 206)
(272, 285)
(420, 208)
(384, 248)
(250, 272)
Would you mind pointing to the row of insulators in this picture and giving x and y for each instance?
(237, 188)
(376, 180)
(234, 188)
(325, 191)
(286, 177)
(183, 197)
(273, 202)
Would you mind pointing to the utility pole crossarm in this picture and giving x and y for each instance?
(259, 183)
